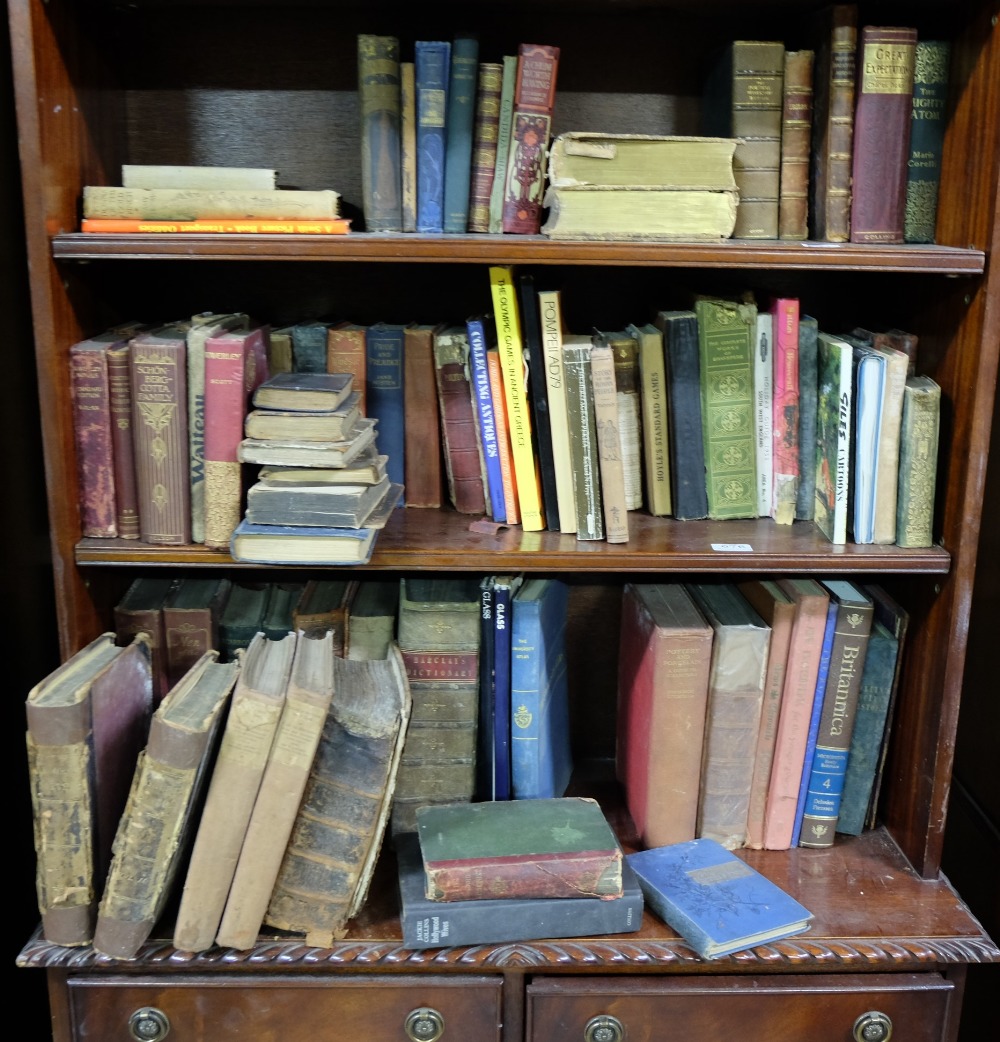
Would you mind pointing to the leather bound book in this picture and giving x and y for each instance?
(422, 460)
(927, 123)
(191, 615)
(309, 346)
(505, 121)
(534, 99)
(324, 606)
(459, 427)
(141, 611)
(459, 122)
(345, 353)
(886, 59)
(918, 452)
(484, 145)
(796, 135)
(158, 370)
(833, 123)
(378, 93)
(120, 399)
(242, 617)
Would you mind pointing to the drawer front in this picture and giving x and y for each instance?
(794, 1008)
(288, 1009)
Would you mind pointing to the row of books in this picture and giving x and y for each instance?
(450, 143)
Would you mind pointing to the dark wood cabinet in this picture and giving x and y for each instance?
(266, 83)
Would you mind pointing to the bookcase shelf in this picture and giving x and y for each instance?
(518, 249)
(105, 83)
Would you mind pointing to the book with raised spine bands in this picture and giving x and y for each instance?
(379, 96)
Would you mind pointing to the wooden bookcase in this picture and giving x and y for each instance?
(264, 83)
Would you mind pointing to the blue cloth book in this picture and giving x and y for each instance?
(541, 762)
(483, 400)
(384, 399)
(504, 589)
(461, 114)
(714, 899)
(432, 60)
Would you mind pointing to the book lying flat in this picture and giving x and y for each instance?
(293, 544)
(303, 392)
(715, 900)
(367, 469)
(136, 226)
(296, 425)
(561, 847)
(320, 505)
(436, 924)
(290, 452)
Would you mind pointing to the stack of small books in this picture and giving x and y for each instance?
(322, 493)
(495, 872)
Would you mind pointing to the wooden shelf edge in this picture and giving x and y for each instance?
(517, 249)
(420, 540)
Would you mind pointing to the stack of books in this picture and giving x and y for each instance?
(323, 492)
(208, 200)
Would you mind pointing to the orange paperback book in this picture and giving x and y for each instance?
(131, 226)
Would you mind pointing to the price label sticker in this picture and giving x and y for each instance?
(732, 548)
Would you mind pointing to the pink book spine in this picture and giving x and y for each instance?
(92, 429)
(785, 426)
(120, 395)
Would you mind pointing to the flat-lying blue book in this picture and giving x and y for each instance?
(443, 924)
(713, 899)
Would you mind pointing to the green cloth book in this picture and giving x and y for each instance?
(562, 847)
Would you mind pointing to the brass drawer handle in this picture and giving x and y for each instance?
(424, 1025)
(148, 1024)
(872, 1027)
(604, 1029)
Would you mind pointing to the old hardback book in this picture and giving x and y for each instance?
(725, 346)
(654, 213)
(304, 392)
(246, 739)
(438, 632)
(203, 326)
(796, 141)
(296, 425)
(654, 418)
(86, 724)
(494, 366)
(763, 411)
(531, 128)
(281, 452)
(836, 725)
(371, 620)
(583, 436)
(432, 59)
(833, 436)
(309, 346)
(873, 722)
(918, 452)
(281, 600)
(550, 317)
(579, 158)
(221, 226)
(149, 175)
(242, 617)
(379, 99)
(505, 122)
(744, 101)
(797, 697)
(191, 613)
(484, 144)
(331, 853)
(714, 899)
(927, 123)
(777, 608)
(833, 123)
(155, 829)
(408, 143)
(732, 717)
(805, 499)
(665, 651)
(307, 701)
(120, 400)
(279, 358)
(628, 391)
(505, 587)
(460, 437)
(323, 504)
(346, 355)
(158, 371)
(689, 495)
(189, 204)
(562, 847)
(541, 422)
(511, 347)
(486, 760)
(610, 455)
(541, 759)
(140, 610)
(296, 544)
(93, 433)
(235, 363)
(324, 606)
(785, 427)
(882, 118)
(385, 395)
(484, 412)
(423, 469)
(887, 471)
(438, 924)
(459, 120)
